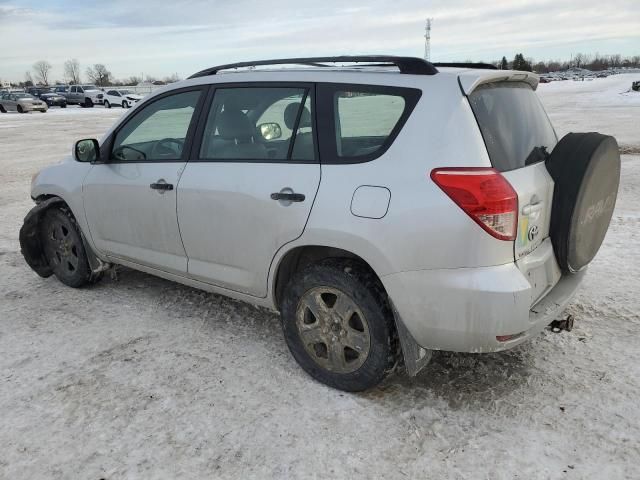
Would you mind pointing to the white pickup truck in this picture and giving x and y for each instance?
(84, 95)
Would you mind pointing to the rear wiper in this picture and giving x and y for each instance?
(538, 154)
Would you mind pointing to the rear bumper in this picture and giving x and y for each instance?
(465, 309)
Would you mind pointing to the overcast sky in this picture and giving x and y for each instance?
(159, 38)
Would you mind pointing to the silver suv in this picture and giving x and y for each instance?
(387, 207)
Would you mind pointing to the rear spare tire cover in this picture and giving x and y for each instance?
(586, 171)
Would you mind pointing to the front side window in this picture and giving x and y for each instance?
(158, 131)
(258, 123)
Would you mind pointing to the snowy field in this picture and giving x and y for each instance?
(141, 378)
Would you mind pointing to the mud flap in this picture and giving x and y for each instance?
(415, 357)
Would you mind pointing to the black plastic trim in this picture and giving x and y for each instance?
(407, 65)
(480, 66)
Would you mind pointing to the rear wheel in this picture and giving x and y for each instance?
(338, 325)
(63, 248)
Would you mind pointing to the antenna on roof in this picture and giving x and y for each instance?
(427, 40)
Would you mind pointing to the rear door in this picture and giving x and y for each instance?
(250, 183)
(519, 137)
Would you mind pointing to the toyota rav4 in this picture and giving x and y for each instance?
(385, 206)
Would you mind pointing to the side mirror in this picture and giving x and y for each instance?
(270, 130)
(87, 150)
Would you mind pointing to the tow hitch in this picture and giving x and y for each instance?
(559, 325)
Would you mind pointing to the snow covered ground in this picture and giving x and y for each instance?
(141, 378)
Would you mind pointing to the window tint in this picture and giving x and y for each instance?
(364, 120)
(514, 125)
(113, 92)
(158, 131)
(257, 123)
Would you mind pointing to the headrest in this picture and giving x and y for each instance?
(235, 124)
(290, 114)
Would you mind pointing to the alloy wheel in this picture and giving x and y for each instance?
(333, 330)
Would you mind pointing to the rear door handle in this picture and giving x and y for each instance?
(161, 185)
(291, 197)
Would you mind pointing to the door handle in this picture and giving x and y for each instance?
(291, 197)
(161, 185)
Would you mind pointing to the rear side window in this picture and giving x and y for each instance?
(515, 127)
(361, 121)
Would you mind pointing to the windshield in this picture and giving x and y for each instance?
(515, 127)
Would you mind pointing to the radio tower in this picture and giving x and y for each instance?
(427, 40)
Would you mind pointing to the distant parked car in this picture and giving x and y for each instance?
(122, 97)
(54, 99)
(37, 91)
(61, 89)
(22, 103)
(84, 95)
(635, 86)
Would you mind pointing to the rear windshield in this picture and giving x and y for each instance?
(514, 125)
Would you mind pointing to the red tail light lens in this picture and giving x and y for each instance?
(485, 195)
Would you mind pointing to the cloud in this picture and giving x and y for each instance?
(184, 36)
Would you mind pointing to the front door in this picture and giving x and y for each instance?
(130, 200)
(249, 187)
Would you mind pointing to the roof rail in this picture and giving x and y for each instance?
(482, 66)
(409, 65)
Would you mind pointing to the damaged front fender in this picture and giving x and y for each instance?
(30, 244)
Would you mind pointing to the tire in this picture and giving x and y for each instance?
(107, 104)
(88, 103)
(367, 326)
(63, 248)
(125, 104)
(2, 110)
(586, 170)
(64, 105)
(20, 109)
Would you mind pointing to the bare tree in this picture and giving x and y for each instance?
(28, 79)
(99, 75)
(42, 68)
(72, 71)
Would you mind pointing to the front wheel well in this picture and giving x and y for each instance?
(299, 257)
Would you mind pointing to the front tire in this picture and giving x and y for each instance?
(20, 109)
(125, 104)
(2, 110)
(63, 248)
(338, 325)
(88, 103)
(107, 104)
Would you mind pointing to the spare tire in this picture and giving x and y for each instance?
(586, 171)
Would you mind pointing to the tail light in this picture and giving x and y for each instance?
(485, 195)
